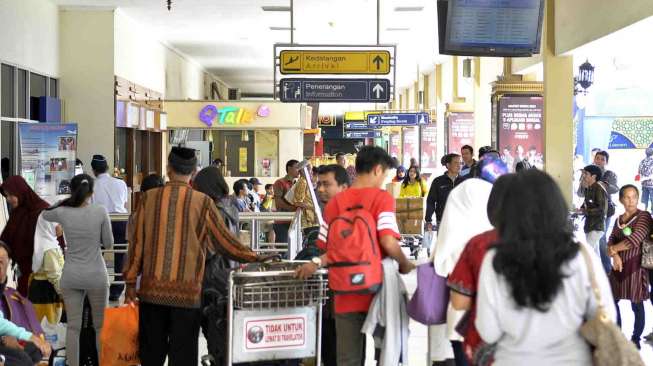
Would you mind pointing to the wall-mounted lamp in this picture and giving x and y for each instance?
(585, 78)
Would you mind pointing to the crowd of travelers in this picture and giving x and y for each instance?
(521, 285)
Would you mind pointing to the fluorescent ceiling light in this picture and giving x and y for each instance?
(275, 8)
(281, 28)
(397, 29)
(409, 8)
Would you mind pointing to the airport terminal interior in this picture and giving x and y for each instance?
(326, 183)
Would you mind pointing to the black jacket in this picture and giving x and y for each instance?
(596, 208)
(438, 194)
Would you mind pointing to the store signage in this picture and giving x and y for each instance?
(335, 90)
(362, 134)
(275, 333)
(376, 62)
(326, 121)
(398, 119)
(211, 114)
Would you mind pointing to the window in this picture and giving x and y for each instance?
(8, 149)
(7, 91)
(54, 88)
(37, 85)
(22, 96)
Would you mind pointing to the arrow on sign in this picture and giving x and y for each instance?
(378, 61)
(378, 89)
(373, 120)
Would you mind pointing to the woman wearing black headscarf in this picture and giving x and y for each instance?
(211, 182)
(19, 231)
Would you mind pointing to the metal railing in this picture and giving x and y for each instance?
(255, 219)
(116, 249)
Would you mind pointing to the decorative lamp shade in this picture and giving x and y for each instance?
(586, 75)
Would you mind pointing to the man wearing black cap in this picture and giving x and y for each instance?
(595, 206)
(173, 228)
(112, 193)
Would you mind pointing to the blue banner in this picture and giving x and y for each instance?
(398, 119)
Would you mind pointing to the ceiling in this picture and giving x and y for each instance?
(233, 39)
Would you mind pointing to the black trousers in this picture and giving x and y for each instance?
(281, 232)
(168, 331)
(119, 229)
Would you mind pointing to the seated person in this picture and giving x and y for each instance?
(18, 345)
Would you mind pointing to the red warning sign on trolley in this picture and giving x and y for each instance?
(275, 332)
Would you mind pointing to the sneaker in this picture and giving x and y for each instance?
(649, 337)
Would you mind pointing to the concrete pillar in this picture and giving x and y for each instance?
(558, 108)
(486, 70)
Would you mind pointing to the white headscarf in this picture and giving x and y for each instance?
(465, 216)
(45, 238)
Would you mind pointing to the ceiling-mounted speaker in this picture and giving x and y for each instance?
(467, 68)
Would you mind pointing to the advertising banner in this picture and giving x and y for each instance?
(411, 145)
(460, 131)
(429, 147)
(48, 152)
(521, 130)
(631, 133)
(395, 145)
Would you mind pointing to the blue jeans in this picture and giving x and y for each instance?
(603, 247)
(640, 319)
(647, 197)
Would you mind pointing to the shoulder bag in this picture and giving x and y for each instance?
(647, 253)
(609, 345)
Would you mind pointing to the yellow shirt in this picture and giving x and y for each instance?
(417, 189)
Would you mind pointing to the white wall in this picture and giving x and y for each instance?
(30, 35)
(87, 85)
(140, 58)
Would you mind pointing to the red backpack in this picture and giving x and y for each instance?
(353, 252)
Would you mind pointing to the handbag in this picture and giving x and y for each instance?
(647, 253)
(431, 299)
(610, 346)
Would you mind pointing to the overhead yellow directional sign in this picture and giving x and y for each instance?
(335, 62)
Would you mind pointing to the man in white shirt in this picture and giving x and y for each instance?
(112, 193)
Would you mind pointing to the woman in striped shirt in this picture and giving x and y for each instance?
(628, 279)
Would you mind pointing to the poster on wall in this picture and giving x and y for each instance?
(460, 131)
(429, 147)
(521, 130)
(410, 146)
(48, 152)
(631, 133)
(395, 145)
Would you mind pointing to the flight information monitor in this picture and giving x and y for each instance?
(507, 28)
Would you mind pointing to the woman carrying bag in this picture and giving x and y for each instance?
(628, 279)
(88, 229)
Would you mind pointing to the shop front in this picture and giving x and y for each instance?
(252, 139)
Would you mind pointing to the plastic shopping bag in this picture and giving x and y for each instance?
(429, 303)
(55, 334)
(119, 337)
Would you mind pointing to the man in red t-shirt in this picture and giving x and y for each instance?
(372, 164)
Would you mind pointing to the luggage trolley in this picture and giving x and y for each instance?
(273, 316)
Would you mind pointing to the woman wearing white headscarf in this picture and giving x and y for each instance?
(465, 216)
(47, 267)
